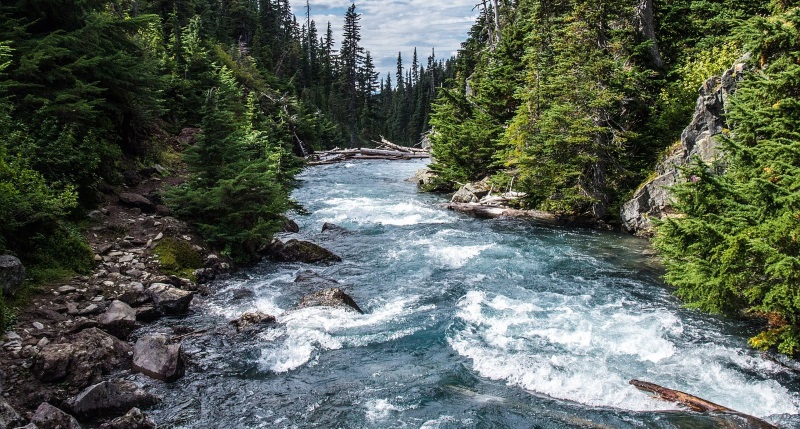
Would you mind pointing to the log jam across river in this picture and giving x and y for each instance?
(467, 323)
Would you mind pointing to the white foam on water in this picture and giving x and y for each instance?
(568, 349)
(383, 409)
(376, 211)
(304, 333)
(445, 421)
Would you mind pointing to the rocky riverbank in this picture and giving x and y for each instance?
(70, 358)
(71, 346)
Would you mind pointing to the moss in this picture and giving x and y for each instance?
(178, 257)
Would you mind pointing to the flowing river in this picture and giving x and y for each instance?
(468, 324)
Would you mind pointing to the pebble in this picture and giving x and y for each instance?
(43, 342)
(11, 335)
(159, 236)
(91, 308)
(98, 298)
(126, 258)
(116, 253)
(98, 258)
(108, 283)
(67, 289)
(157, 224)
(38, 325)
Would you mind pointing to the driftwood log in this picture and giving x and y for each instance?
(695, 403)
(385, 150)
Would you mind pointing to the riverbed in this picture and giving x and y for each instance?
(467, 323)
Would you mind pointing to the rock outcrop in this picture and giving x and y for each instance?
(156, 358)
(252, 320)
(12, 274)
(698, 142)
(333, 297)
(170, 300)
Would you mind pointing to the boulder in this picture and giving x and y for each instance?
(698, 143)
(169, 300)
(156, 358)
(119, 319)
(425, 179)
(333, 297)
(9, 417)
(471, 192)
(109, 399)
(299, 251)
(137, 201)
(312, 278)
(147, 313)
(135, 295)
(333, 228)
(50, 417)
(88, 356)
(290, 226)
(252, 320)
(12, 274)
(134, 419)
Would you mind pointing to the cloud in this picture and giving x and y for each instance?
(392, 26)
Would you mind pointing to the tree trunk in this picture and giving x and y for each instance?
(647, 29)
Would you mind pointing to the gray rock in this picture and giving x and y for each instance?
(28, 426)
(168, 299)
(138, 201)
(109, 399)
(12, 274)
(424, 178)
(135, 419)
(88, 356)
(470, 193)
(135, 295)
(333, 228)
(312, 278)
(154, 357)
(252, 320)
(9, 417)
(119, 319)
(50, 417)
(290, 226)
(147, 313)
(299, 251)
(698, 143)
(333, 297)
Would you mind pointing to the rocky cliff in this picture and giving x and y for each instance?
(698, 141)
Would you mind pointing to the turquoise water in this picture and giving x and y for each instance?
(468, 323)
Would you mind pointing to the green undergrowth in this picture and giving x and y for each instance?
(178, 257)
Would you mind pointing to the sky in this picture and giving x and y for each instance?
(392, 26)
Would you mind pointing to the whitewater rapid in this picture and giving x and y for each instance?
(467, 323)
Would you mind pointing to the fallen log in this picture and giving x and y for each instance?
(695, 403)
(493, 212)
(338, 155)
(397, 147)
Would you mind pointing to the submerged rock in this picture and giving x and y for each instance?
(50, 417)
(134, 419)
(252, 320)
(299, 251)
(333, 228)
(308, 277)
(290, 226)
(155, 357)
(12, 274)
(333, 297)
(109, 399)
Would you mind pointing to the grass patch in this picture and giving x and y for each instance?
(178, 257)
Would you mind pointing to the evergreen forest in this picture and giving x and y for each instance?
(571, 102)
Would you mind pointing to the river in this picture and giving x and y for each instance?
(468, 324)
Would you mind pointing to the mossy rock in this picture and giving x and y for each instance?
(178, 257)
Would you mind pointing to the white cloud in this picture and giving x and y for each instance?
(392, 26)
